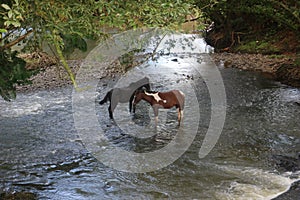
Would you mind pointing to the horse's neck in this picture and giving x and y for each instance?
(146, 97)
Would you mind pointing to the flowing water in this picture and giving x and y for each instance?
(41, 151)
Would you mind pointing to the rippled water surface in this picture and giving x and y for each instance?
(41, 151)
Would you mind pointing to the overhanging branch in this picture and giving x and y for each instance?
(16, 41)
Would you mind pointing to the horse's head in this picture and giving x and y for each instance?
(139, 92)
(145, 83)
(140, 84)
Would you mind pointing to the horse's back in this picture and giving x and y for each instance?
(176, 96)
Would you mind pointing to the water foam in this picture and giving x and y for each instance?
(257, 184)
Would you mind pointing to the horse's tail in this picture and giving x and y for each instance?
(106, 98)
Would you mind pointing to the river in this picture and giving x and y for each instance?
(42, 151)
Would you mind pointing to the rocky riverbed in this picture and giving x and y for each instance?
(56, 76)
(280, 68)
(53, 76)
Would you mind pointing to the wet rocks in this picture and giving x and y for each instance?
(287, 163)
(292, 194)
(18, 196)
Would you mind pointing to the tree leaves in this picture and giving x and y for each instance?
(6, 7)
(12, 72)
(73, 41)
(238, 20)
(13, 16)
(66, 24)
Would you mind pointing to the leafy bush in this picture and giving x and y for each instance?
(239, 19)
(66, 24)
(12, 72)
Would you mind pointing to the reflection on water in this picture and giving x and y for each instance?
(41, 152)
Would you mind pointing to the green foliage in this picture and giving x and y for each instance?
(12, 17)
(85, 19)
(297, 60)
(73, 41)
(263, 47)
(238, 19)
(12, 72)
(65, 24)
(283, 14)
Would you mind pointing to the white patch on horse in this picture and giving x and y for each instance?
(156, 97)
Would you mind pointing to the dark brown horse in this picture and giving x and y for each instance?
(161, 100)
(123, 95)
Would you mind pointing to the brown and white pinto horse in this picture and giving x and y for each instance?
(161, 100)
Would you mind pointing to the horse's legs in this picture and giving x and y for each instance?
(131, 102)
(110, 112)
(180, 114)
(111, 109)
(156, 120)
(155, 110)
(136, 100)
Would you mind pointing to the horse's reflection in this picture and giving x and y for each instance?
(142, 117)
(125, 94)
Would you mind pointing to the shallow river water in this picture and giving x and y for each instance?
(42, 152)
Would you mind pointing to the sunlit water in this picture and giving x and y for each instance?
(41, 152)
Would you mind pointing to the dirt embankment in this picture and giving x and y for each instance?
(281, 68)
(275, 54)
(52, 74)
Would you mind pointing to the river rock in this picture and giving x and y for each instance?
(287, 163)
(18, 195)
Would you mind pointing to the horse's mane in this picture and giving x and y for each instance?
(140, 82)
(150, 91)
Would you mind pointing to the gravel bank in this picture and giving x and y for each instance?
(55, 76)
(280, 68)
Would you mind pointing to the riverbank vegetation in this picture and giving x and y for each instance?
(65, 25)
(261, 26)
(258, 26)
(267, 27)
